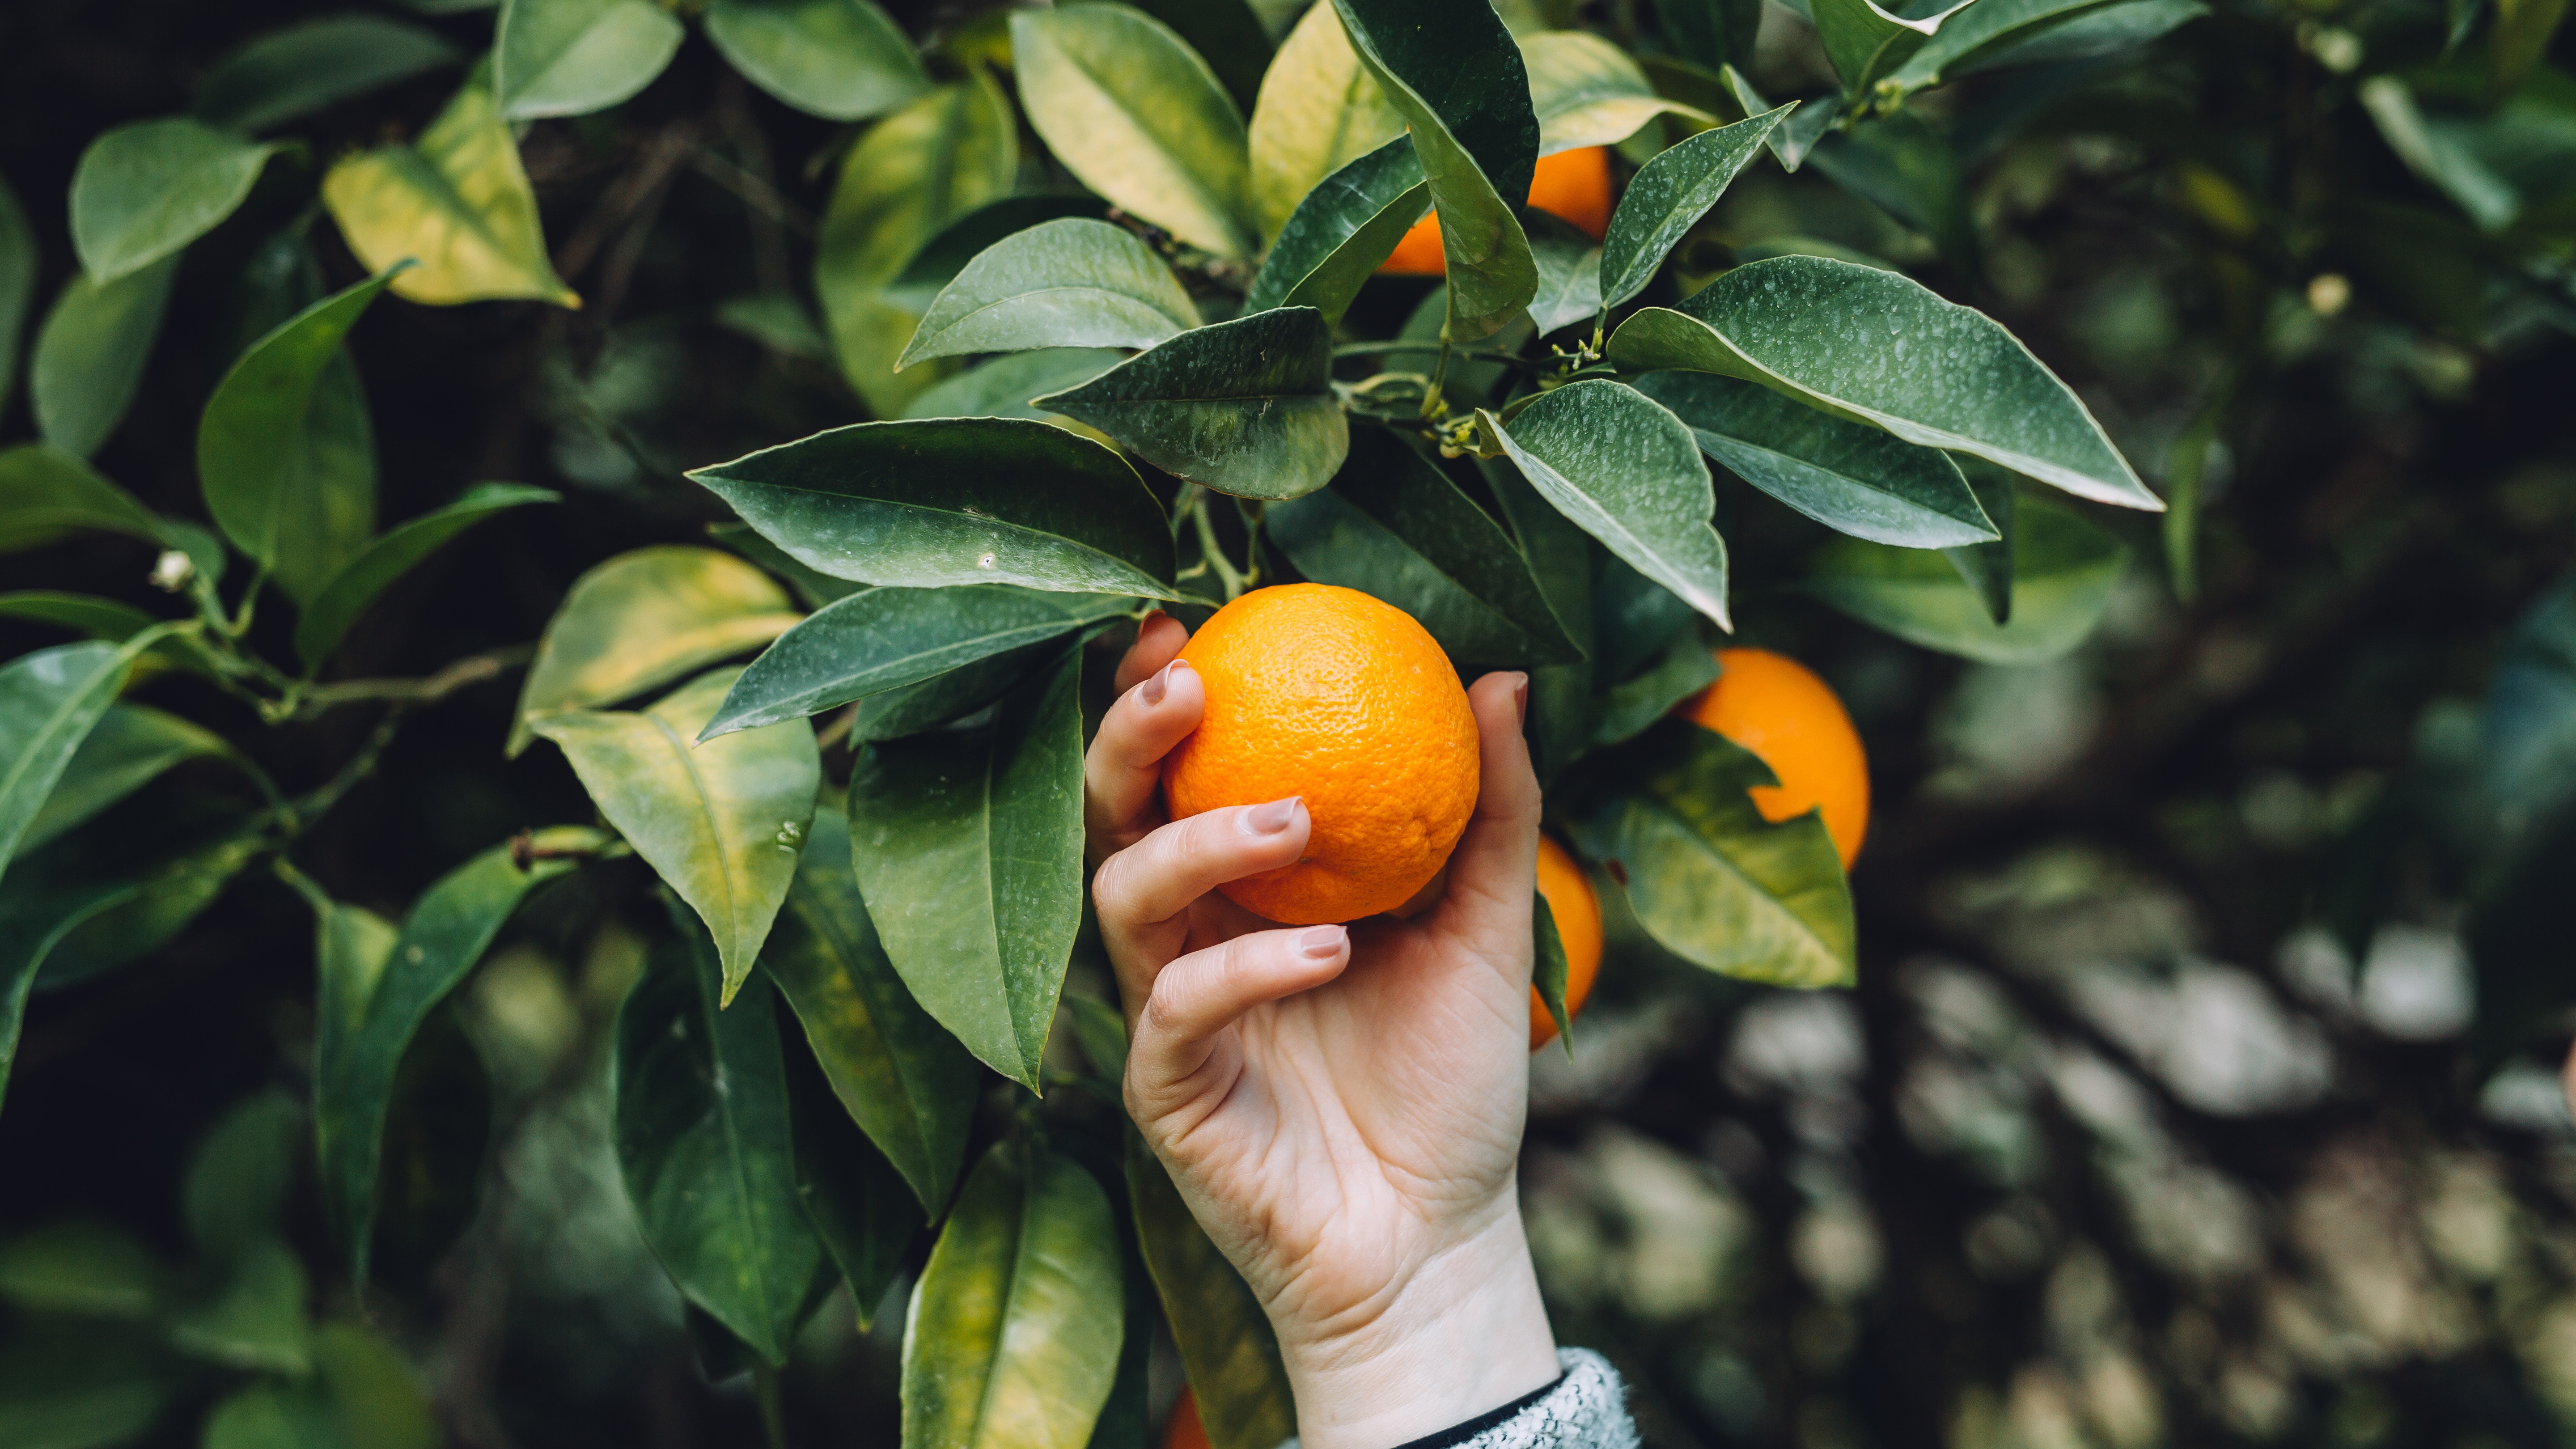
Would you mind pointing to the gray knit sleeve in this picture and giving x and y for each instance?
(1585, 1409)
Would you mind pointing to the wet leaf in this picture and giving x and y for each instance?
(1628, 473)
(1348, 224)
(1319, 110)
(147, 189)
(956, 501)
(1569, 272)
(1002, 387)
(1244, 407)
(1561, 560)
(1632, 705)
(843, 60)
(90, 354)
(1138, 117)
(1988, 567)
(457, 202)
(2063, 572)
(296, 71)
(1227, 1347)
(1015, 1326)
(1071, 282)
(720, 822)
(571, 57)
(705, 1144)
(967, 237)
(341, 601)
(1837, 336)
(1669, 195)
(1586, 91)
(944, 698)
(968, 848)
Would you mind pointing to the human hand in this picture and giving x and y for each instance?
(1341, 1107)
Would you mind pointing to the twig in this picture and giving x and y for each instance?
(470, 670)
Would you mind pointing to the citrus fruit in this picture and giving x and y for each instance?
(1183, 1429)
(1328, 694)
(1571, 185)
(1777, 708)
(1577, 910)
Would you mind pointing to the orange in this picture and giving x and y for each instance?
(1328, 694)
(1573, 185)
(1183, 1429)
(1777, 708)
(1578, 923)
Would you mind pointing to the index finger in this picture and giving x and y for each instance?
(1160, 704)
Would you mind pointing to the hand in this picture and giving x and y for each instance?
(1341, 1108)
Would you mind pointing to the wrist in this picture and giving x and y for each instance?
(1464, 1333)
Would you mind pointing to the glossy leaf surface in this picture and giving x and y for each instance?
(46, 493)
(1348, 224)
(2063, 572)
(1244, 407)
(861, 1209)
(1227, 1346)
(457, 202)
(571, 57)
(90, 354)
(839, 59)
(1669, 195)
(312, 66)
(1319, 110)
(720, 822)
(956, 501)
(971, 234)
(1071, 282)
(145, 190)
(319, 628)
(1865, 42)
(129, 747)
(1569, 272)
(1586, 91)
(50, 700)
(968, 848)
(1002, 386)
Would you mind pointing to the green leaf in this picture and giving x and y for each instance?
(1244, 407)
(1712, 33)
(1065, 283)
(1348, 224)
(1318, 111)
(1015, 1325)
(644, 619)
(956, 501)
(944, 698)
(1713, 881)
(2104, 30)
(340, 603)
(86, 905)
(843, 60)
(145, 190)
(255, 1319)
(1561, 560)
(1587, 92)
(1907, 170)
(1453, 72)
(1138, 117)
(90, 354)
(884, 639)
(1988, 567)
(912, 174)
(572, 57)
(301, 69)
(81, 1267)
(2063, 572)
(900, 1075)
(814, 590)
(430, 1165)
(961, 241)
(81, 1386)
(1841, 474)
(1549, 969)
(720, 822)
(1795, 137)
(1394, 526)
(130, 746)
(371, 1009)
(2530, 718)
(1838, 337)
(457, 202)
(18, 261)
(2521, 38)
(1980, 30)
(859, 1205)
(50, 700)
(1628, 473)
(1632, 705)
(239, 1175)
(1227, 1347)
(705, 1144)
(1669, 195)
(1569, 271)
(363, 1395)
(1002, 387)
(968, 848)
(46, 493)
(285, 452)
(1865, 42)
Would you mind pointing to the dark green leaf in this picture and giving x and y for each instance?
(1633, 705)
(1072, 282)
(1549, 969)
(1102, 1033)
(1669, 195)
(1394, 526)
(1791, 141)
(861, 1208)
(431, 1165)
(720, 822)
(81, 1267)
(1137, 116)
(239, 1176)
(2530, 722)
(285, 452)
(319, 629)
(2102, 30)
(1227, 1346)
(839, 59)
(1628, 473)
(813, 589)
(129, 747)
(18, 260)
(1455, 74)
(46, 493)
(82, 1385)
(90, 354)
(644, 619)
(1711, 33)
(1709, 877)
(1015, 1326)
(2063, 571)
(1633, 617)
(968, 847)
(49, 702)
(899, 1074)
(1907, 170)
(885, 639)
(1981, 29)
(705, 1143)
(947, 697)
(1560, 557)
(1335, 239)
(1244, 407)
(571, 57)
(363, 1395)
(1318, 112)
(956, 501)
(313, 66)
(946, 254)
(1988, 567)
(255, 1319)
(1569, 271)
(1865, 42)
(1838, 337)
(86, 905)
(457, 202)
(147, 189)
(1002, 387)
(1842, 474)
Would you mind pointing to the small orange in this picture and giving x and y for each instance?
(1573, 185)
(1183, 1429)
(1578, 923)
(1329, 694)
(1777, 708)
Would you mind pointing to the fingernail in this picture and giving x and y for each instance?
(1520, 698)
(1323, 941)
(1271, 818)
(1156, 685)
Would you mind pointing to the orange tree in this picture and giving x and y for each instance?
(1100, 277)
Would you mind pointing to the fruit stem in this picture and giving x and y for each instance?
(1213, 552)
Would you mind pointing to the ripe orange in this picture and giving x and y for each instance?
(1327, 693)
(1183, 1429)
(1777, 708)
(1578, 922)
(1573, 185)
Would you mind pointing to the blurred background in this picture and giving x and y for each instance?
(2200, 1085)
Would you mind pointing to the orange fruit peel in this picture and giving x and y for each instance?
(1577, 909)
(1780, 710)
(1573, 186)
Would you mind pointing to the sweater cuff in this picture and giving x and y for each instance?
(1584, 1409)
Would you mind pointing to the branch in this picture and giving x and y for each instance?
(470, 670)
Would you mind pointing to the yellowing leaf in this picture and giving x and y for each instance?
(458, 203)
(1318, 112)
